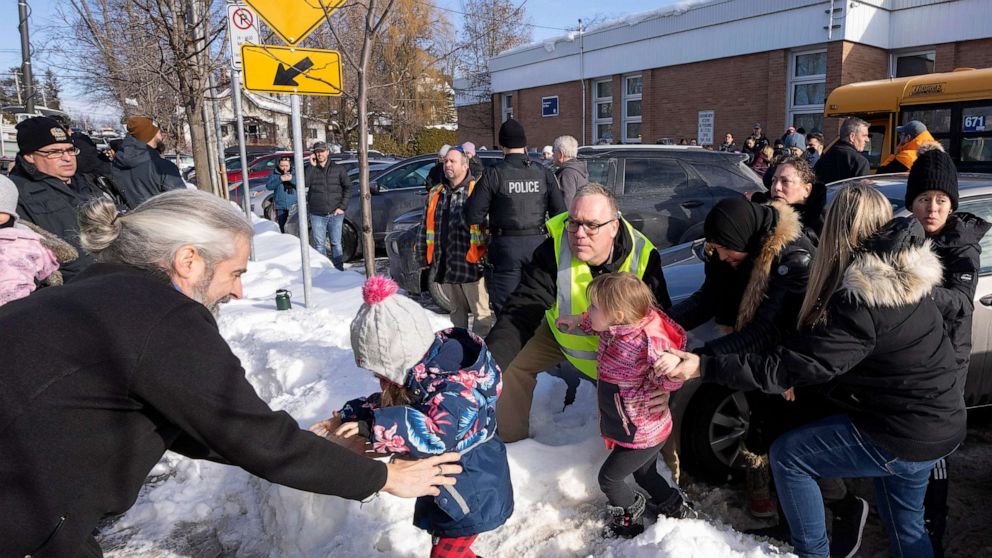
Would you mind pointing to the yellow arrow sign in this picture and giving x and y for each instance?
(293, 20)
(304, 71)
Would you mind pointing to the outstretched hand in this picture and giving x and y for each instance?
(412, 479)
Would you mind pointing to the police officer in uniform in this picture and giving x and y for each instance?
(519, 196)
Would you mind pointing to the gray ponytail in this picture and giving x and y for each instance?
(149, 236)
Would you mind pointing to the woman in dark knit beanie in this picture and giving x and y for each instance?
(932, 196)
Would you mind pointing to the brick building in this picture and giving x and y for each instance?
(649, 76)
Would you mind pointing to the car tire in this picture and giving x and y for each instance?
(350, 248)
(439, 296)
(269, 210)
(714, 428)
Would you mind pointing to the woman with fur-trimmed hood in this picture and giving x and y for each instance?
(756, 275)
(870, 330)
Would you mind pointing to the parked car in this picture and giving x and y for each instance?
(712, 421)
(183, 161)
(665, 191)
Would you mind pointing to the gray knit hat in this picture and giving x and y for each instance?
(391, 333)
(8, 197)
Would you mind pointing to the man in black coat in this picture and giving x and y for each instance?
(139, 172)
(49, 189)
(102, 376)
(844, 159)
(328, 193)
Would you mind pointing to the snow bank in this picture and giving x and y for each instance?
(300, 361)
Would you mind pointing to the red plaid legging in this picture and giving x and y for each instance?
(459, 547)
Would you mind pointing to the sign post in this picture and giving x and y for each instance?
(704, 129)
(301, 197)
(242, 27)
(296, 71)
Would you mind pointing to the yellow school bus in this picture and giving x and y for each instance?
(955, 106)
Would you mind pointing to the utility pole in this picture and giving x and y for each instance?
(22, 11)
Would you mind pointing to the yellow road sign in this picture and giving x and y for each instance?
(293, 20)
(304, 71)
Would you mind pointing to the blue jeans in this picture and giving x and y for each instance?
(833, 448)
(324, 225)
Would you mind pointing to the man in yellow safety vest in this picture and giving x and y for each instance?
(589, 240)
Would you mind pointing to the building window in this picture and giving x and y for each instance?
(602, 110)
(507, 106)
(632, 86)
(312, 133)
(807, 89)
(916, 63)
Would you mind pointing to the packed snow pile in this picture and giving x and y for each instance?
(300, 361)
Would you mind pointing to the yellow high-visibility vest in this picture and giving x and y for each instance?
(574, 277)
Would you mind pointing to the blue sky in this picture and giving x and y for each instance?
(548, 18)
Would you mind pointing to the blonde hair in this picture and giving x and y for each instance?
(857, 212)
(395, 395)
(621, 293)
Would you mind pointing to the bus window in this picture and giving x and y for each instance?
(937, 121)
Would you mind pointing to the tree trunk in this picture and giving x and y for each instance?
(368, 243)
(197, 136)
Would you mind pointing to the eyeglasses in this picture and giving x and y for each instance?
(57, 153)
(592, 229)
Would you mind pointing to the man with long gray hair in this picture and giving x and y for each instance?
(105, 374)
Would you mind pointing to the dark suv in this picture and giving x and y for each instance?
(665, 191)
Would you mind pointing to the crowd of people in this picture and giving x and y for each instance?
(861, 318)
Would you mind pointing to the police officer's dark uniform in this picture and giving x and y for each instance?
(518, 196)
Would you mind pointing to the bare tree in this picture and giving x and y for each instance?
(490, 27)
(150, 57)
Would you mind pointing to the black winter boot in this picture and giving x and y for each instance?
(676, 507)
(626, 523)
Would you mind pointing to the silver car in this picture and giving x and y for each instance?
(712, 421)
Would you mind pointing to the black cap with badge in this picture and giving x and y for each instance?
(38, 132)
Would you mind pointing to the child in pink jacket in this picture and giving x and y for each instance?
(23, 259)
(633, 334)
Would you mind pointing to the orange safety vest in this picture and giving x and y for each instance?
(477, 240)
(907, 153)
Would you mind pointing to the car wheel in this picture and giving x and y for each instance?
(349, 242)
(438, 295)
(269, 210)
(714, 428)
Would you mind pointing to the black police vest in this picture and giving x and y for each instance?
(520, 203)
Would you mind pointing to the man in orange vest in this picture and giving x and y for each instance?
(453, 249)
(912, 135)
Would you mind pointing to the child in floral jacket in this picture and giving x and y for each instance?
(633, 335)
(439, 394)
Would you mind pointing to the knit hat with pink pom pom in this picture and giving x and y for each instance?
(391, 333)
